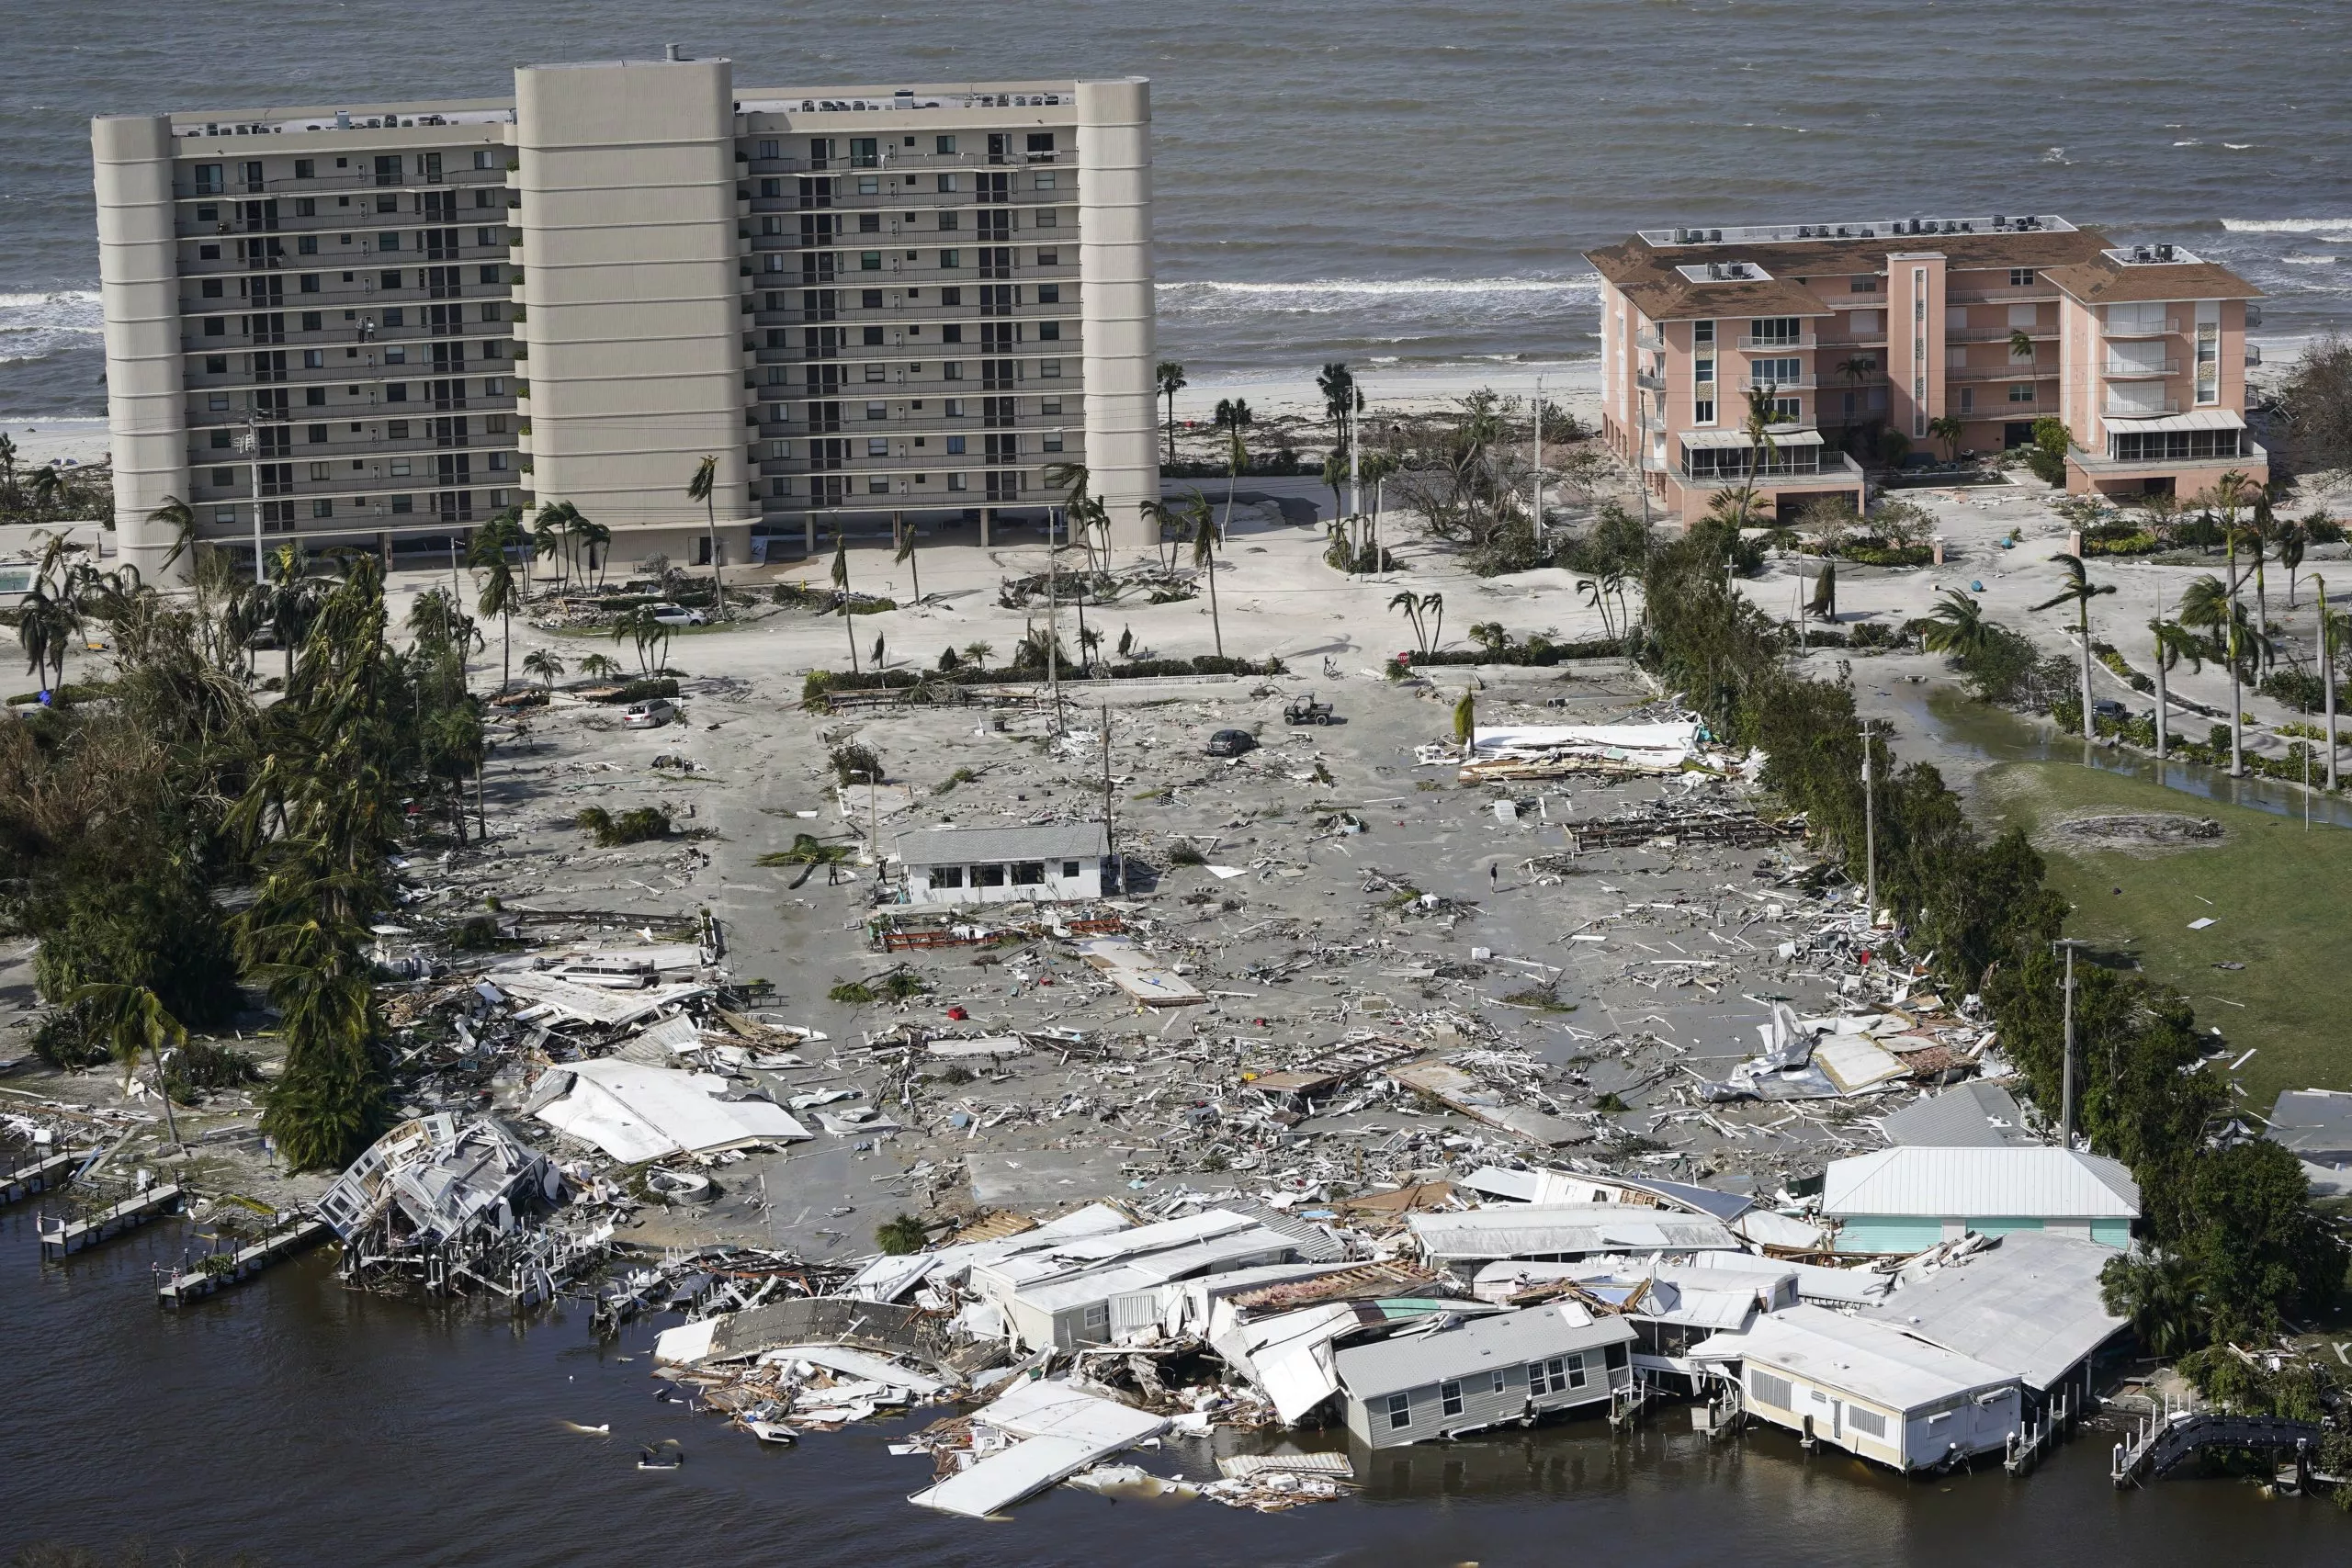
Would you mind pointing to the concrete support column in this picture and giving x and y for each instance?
(139, 287)
(1115, 301)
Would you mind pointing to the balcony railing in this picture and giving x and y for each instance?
(1998, 334)
(1650, 338)
(1843, 470)
(2004, 296)
(1781, 383)
(2252, 354)
(2015, 370)
(2127, 369)
(1749, 342)
(2145, 408)
(2168, 327)
(1650, 381)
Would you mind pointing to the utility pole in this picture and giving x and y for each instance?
(1870, 830)
(2327, 674)
(1538, 462)
(1355, 470)
(251, 441)
(2066, 1064)
(2160, 684)
(1053, 623)
(1106, 789)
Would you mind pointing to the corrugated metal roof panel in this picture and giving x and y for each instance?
(1503, 1339)
(987, 846)
(2024, 1183)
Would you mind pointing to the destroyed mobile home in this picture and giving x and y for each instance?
(1301, 1131)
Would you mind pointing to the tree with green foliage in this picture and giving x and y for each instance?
(1170, 376)
(544, 664)
(703, 487)
(2079, 592)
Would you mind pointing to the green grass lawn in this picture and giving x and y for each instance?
(2278, 898)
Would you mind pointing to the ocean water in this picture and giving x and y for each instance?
(1391, 184)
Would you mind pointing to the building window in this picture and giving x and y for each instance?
(869, 261)
(988, 877)
(1049, 258)
(2020, 277)
(1028, 873)
(1861, 285)
(1702, 332)
(210, 288)
(1050, 294)
(1497, 1386)
(869, 224)
(224, 515)
(953, 370)
(1069, 868)
(956, 482)
(1546, 1377)
(322, 507)
(1045, 219)
(1702, 410)
(1400, 1411)
(1968, 399)
(877, 447)
(1449, 1397)
(208, 179)
(877, 410)
(398, 468)
(1576, 1370)
(869, 185)
(403, 503)
(876, 372)
(224, 477)
(2021, 393)
(951, 259)
(387, 242)
(1049, 405)
(1049, 331)
(877, 484)
(1052, 442)
(947, 876)
(215, 326)
(314, 359)
(943, 144)
(1049, 368)
(955, 445)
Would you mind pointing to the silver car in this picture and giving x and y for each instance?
(650, 714)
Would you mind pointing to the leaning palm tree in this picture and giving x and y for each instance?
(700, 488)
(1237, 459)
(841, 586)
(1408, 603)
(134, 1019)
(907, 555)
(1957, 626)
(180, 518)
(1591, 593)
(1171, 381)
(547, 666)
(552, 532)
(2079, 592)
(501, 597)
(1763, 410)
(1435, 602)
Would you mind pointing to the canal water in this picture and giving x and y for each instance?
(1937, 723)
(305, 1423)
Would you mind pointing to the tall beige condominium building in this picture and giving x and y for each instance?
(875, 307)
(1957, 333)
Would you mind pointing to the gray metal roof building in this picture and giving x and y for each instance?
(1969, 1116)
(2028, 1304)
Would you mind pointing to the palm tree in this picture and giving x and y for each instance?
(1237, 459)
(1437, 629)
(552, 533)
(1161, 518)
(2020, 345)
(47, 625)
(1204, 558)
(841, 586)
(596, 536)
(501, 597)
(1409, 605)
(699, 488)
(907, 555)
(1335, 473)
(1947, 429)
(1340, 398)
(596, 666)
(546, 665)
(2079, 592)
(979, 653)
(1591, 593)
(180, 518)
(1957, 626)
(1171, 381)
(134, 1019)
(1763, 408)
(2292, 542)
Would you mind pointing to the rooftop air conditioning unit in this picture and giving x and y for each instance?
(2164, 253)
(1714, 236)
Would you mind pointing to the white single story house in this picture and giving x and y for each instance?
(1908, 1198)
(1461, 1240)
(1867, 1388)
(1466, 1375)
(1058, 861)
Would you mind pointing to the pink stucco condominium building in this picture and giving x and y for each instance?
(1860, 328)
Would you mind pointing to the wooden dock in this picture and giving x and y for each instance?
(219, 1270)
(61, 1237)
(41, 1176)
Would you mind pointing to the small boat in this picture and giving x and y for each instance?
(772, 1432)
(663, 1455)
(587, 1431)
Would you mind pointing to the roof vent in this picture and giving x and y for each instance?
(2164, 253)
(1714, 236)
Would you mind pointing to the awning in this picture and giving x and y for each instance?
(2204, 418)
(1700, 440)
